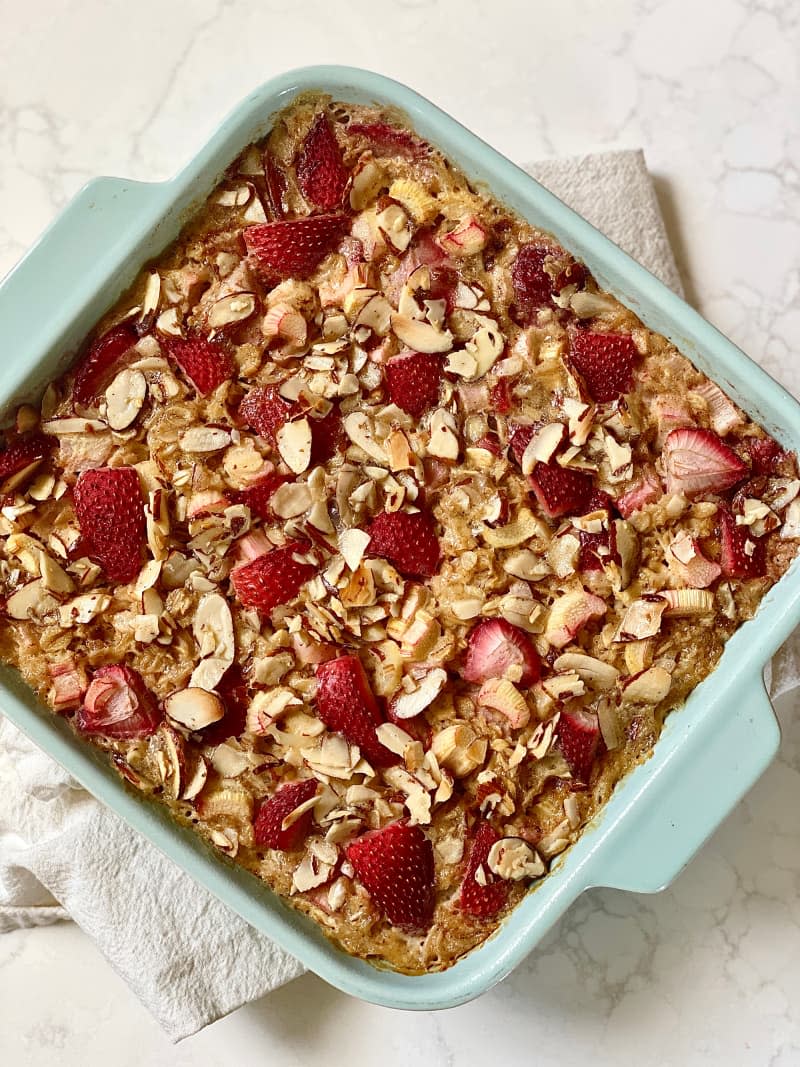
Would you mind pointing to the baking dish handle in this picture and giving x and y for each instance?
(690, 797)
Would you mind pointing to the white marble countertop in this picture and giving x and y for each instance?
(708, 971)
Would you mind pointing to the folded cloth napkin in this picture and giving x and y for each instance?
(186, 956)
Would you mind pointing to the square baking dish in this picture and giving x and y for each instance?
(710, 752)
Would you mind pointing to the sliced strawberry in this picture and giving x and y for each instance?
(578, 738)
(561, 491)
(273, 578)
(697, 463)
(647, 491)
(206, 363)
(232, 688)
(268, 828)
(519, 437)
(500, 399)
(482, 900)
(94, 369)
(258, 495)
(21, 459)
(118, 705)
(294, 247)
(386, 140)
(605, 362)
(597, 549)
(327, 436)
(395, 865)
(408, 541)
(321, 174)
(533, 286)
(264, 410)
(764, 454)
(494, 645)
(275, 182)
(413, 382)
(742, 555)
(346, 704)
(110, 512)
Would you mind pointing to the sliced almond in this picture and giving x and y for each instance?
(542, 446)
(203, 439)
(290, 500)
(229, 309)
(421, 336)
(594, 672)
(125, 397)
(649, 687)
(513, 859)
(294, 445)
(408, 704)
(443, 441)
(515, 533)
(353, 545)
(368, 179)
(376, 314)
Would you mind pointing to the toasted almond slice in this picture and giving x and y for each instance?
(376, 314)
(368, 179)
(205, 439)
(443, 441)
(594, 672)
(61, 427)
(515, 533)
(421, 336)
(641, 619)
(513, 859)
(125, 397)
(542, 446)
(229, 309)
(407, 705)
(30, 600)
(353, 544)
(486, 346)
(649, 687)
(290, 500)
(360, 428)
(294, 445)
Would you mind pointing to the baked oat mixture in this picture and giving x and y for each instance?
(375, 540)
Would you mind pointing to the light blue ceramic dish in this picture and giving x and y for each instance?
(710, 752)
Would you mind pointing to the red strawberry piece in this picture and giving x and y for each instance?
(293, 247)
(407, 540)
(495, 645)
(697, 463)
(597, 549)
(327, 436)
(118, 705)
(258, 495)
(578, 738)
(742, 555)
(94, 369)
(561, 491)
(533, 286)
(764, 453)
(346, 704)
(519, 437)
(206, 363)
(395, 865)
(443, 283)
(500, 399)
(482, 901)
(417, 727)
(413, 382)
(268, 826)
(321, 175)
(273, 578)
(232, 688)
(264, 410)
(20, 459)
(386, 140)
(275, 182)
(110, 511)
(605, 362)
(490, 443)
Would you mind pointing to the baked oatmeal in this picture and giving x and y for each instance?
(375, 540)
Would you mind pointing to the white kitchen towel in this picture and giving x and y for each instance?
(186, 956)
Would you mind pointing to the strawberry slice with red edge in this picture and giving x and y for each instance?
(118, 705)
(21, 458)
(207, 364)
(533, 286)
(742, 555)
(483, 901)
(493, 646)
(413, 382)
(765, 454)
(395, 865)
(264, 410)
(605, 362)
(292, 248)
(698, 463)
(407, 540)
(386, 140)
(110, 512)
(519, 437)
(104, 356)
(346, 704)
(272, 579)
(578, 735)
(561, 491)
(268, 828)
(257, 496)
(321, 174)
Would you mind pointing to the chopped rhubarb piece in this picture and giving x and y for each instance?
(413, 382)
(294, 247)
(742, 555)
(494, 646)
(482, 893)
(104, 356)
(69, 685)
(561, 491)
(578, 735)
(269, 830)
(697, 463)
(206, 363)
(569, 613)
(407, 540)
(346, 704)
(321, 174)
(110, 511)
(605, 362)
(273, 578)
(395, 865)
(690, 565)
(118, 705)
(645, 492)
